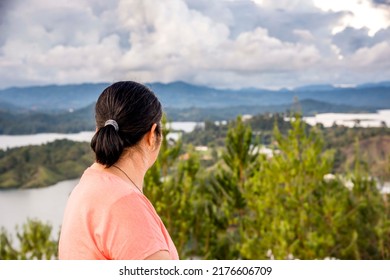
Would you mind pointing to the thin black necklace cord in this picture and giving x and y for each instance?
(117, 167)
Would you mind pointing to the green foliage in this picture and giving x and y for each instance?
(229, 182)
(210, 134)
(371, 216)
(34, 242)
(249, 206)
(293, 212)
(39, 166)
(286, 196)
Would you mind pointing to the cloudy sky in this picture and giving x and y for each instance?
(219, 43)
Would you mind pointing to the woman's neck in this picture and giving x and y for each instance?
(134, 166)
(130, 167)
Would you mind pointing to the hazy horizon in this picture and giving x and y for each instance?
(340, 86)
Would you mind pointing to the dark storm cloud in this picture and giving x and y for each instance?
(382, 2)
(4, 7)
(382, 35)
(351, 40)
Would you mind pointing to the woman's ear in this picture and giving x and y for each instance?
(151, 136)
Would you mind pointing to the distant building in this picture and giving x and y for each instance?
(201, 148)
(384, 188)
(246, 117)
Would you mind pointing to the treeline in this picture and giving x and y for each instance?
(248, 205)
(40, 166)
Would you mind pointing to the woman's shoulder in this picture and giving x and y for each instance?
(102, 187)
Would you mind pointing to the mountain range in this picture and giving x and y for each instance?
(70, 108)
(53, 98)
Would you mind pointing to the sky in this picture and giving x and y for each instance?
(218, 43)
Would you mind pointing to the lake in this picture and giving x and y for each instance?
(13, 141)
(350, 120)
(46, 204)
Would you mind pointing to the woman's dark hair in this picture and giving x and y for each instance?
(135, 108)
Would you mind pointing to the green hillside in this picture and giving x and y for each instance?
(40, 166)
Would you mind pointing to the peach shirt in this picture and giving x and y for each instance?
(107, 218)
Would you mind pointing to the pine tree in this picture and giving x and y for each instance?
(286, 197)
(229, 184)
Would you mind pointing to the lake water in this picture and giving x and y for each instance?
(351, 120)
(45, 204)
(12, 141)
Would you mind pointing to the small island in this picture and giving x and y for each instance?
(43, 165)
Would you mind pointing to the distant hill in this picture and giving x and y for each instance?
(370, 85)
(325, 87)
(374, 153)
(182, 95)
(53, 97)
(83, 119)
(40, 122)
(9, 107)
(307, 107)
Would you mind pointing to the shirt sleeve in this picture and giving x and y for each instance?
(133, 230)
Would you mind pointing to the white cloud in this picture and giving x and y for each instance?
(305, 35)
(219, 43)
(359, 13)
